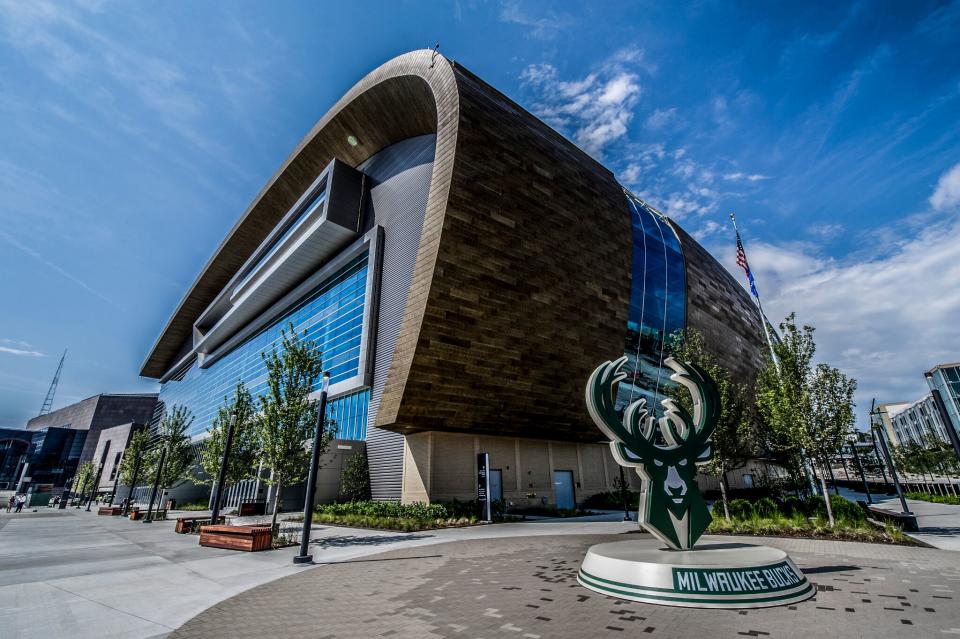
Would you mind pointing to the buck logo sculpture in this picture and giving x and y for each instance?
(665, 452)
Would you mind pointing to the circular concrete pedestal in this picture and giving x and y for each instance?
(718, 575)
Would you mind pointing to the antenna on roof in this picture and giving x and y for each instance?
(436, 51)
(48, 402)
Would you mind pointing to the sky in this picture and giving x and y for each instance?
(132, 137)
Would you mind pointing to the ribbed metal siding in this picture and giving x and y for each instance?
(401, 175)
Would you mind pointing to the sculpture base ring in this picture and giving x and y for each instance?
(712, 575)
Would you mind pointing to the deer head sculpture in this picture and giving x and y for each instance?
(665, 452)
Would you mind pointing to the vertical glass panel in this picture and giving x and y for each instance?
(657, 304)
(331, 315)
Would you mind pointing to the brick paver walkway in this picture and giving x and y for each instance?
(526, 588)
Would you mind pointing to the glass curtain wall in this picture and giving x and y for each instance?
(657, 304)
(332, 315)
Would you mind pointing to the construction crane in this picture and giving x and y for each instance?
(48, 402)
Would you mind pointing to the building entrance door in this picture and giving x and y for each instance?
(496, 485)
(563, 487)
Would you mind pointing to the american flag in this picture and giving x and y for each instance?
(742, 263)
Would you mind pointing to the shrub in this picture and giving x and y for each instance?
(793, 506)
(843, 510)
(741, 509)
(612, 500)
(766, 507)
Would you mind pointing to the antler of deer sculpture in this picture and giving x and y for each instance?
(665, 452)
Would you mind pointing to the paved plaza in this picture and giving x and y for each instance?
(526, 588)
(74, 574)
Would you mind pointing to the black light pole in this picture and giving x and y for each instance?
(863, 477)
(893, 470)
(303, 557)
(156, 484)
(222, 475)
(876, 453)
(133, 484)
(96, 484)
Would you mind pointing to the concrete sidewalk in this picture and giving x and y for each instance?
(73, 574)
(939, 523)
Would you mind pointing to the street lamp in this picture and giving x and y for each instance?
(222, 475)
(863, 477)
(303, 557)
(893, 471)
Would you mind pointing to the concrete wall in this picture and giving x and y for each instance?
(117, 438)
(440, 466)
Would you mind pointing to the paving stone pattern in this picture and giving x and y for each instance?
(526, 588)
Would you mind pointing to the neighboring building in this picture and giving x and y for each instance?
(96, 413)
(946, 379)
(109, 451)
(918, 423)
(39, 460)
(882, 415)
(464, 268)
(14, 445)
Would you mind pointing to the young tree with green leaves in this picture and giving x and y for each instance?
(244, 450)
(288, 417)
(355, 480)
(736, 438)
(809, 409)
(136, 449)
(172, 437)
(83, 478)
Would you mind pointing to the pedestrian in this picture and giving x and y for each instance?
(11, 502)
(21, 500)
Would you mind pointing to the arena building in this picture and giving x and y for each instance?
(464, 268)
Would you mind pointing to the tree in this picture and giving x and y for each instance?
(172, 437)
(136, 449)
(355, 481)
(240, 409)
(288, 416)
(735, 439)
(809, 409)
(83, 478)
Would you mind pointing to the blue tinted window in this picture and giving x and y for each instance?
(332, 315)
(657, 303)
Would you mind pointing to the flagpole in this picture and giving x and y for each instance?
(766, 332)
(756, 297)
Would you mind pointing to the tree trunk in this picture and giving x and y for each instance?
(276, 506)
(826, 500)
(723, 495)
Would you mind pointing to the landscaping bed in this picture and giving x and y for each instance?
(381, 515)
(807, 518)
(934, 499)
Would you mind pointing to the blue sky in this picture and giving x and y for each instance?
(133, 136)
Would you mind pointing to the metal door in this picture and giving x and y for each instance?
(496, 484)
(563, 488)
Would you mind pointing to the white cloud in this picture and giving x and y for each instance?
(947, 194)
(596, 109)
(18, 347)
(541, 27)
(660, 118)
(883, 321)
(739, 176)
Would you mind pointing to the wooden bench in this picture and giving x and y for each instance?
(252, 509)
(110, 511)
(187, 524)
(246, 538)
(906, 523)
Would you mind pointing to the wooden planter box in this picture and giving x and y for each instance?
(246, 538)
(135, 514)
(111, 511)
(187, 524)
(252, 508)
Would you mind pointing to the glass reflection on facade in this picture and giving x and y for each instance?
(332, 316)
(657, 304)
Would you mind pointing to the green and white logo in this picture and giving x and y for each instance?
(665, 452)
